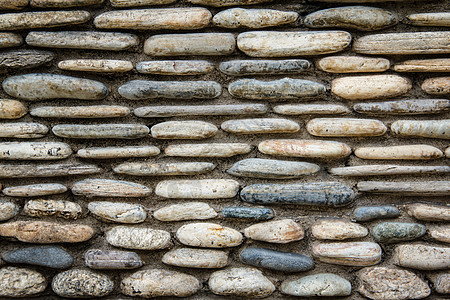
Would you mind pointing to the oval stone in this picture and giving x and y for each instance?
(255, 213)
(175, 67)
(404, 107)
(17, 4)
(44, 256)
(442, 283)
(12, 109)
(323, 284)
(118, 211)
(222, 3)
(140, 238)
(305, 148)
(199, 110)
(112, 260)
(109, 188)
(393, 232)
(81, 112)
(438, 129)
(8, 39)
(34, 190)
(130, 3)
(34, 151)
(355, 254)
(24, 59)
(21, 282)
(78, 283)
(57, 208)
(185, 211)
(23, 130)
(258, 126)
(337, 229)
(42, 19)
(208, 150)
(422, 257)
(352, 64)
(279, 231)
(63, 3)
(253, 18)
(183, 130)
(428, 19)
(118, 152)
(436, 86)
(406, 152)
(370, 213)
(101, 131)
(428, 212)
(264, 67)
(378, 170)
(197, 189)
(96, 65)
(8, 210)
(342, 127)
(196, 258)
(407, 188)
(164, 169)
(276, 260)
(208, 235)
(52, 170)
(424, 65)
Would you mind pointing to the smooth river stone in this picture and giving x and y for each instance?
(378, 170)
(370, 87)
(90, 40)
(139, 238)
(197, 189)
(14, 4)
(255, 213)
(8, 39)
(23, 130)
(164, 169)
(198, 110)
(439, 129)
(393, 232)
(190, 44)
(436, 86)
(337, 229)
(118, 152)
(271, 168)
(208, 235)
(429, 212)
(118, 212)
(428, 19)
(81, 112)
(96, 65)
(425, 188)
(112, 260)
(404, 107)
(422, 257)
(208, 150)
(34, 151)
(222, 3)
(175, 67)
(257, 126)
(322, 284)
(42, 19)
(276, 90)
(440, 233)
(388, 283)
(183, 130)
(21, 282)
(355, 254)
(253, 18)
(185, 211)
(264, 67)
(57, 208)
(78, 283)
(101, 131)
(189, 18)
(342, 127)
(51, 170)
(159, 283)
(196, 258)
(63, 3)
(424, 65)
(241, 282)
(109, 188)
(24, 59)
(282, 44)
(130, 3)
(8, 210)
(276, 260)
(12, 109)
(406, 152)
(41, 86)
(44, 256)
(305, 148)
(352, 64)
(39, 232)
(182, 90)
(370, 213)
(278, 232)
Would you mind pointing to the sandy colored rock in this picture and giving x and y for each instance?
(34, 151)
(8, 210)
(109, 188)
(15, 4)
(356, 254)
(278, 232)
(199, 110)
(101, 131)
(33, 190)
(131, 3)
(78, 283)
(436, 86)
(111, 259)
(183, 130)
(196, 258)
(175, 67)
(63, 3)
(264, 67)
(23, 130)
(8, 39)
(259, 126)
(12, 109)
(164, 169)
(424, 65)
(44, 19)
(324, 284)
(118, 152)
(392, 232)
(428, 19)
(83, 112)
(352, 64)
(57, 208)
(21, 282)
(404, 107)
(422, 257)
(139, 238)
(119, 212)
(96, 65)
(222, 3)
(197, 189)
(337, 229)
(24, 59)
(208, 235)
(185, 211)
(208, 150)
(428, 212)
(407, 188)
(311, 109)
(442, 283)
(253, 18)
(440, 233)
(447, 152)
(47, 170)
(341, 127)
(439, 129)
(305, 148)
(379, 170)
(406, 152)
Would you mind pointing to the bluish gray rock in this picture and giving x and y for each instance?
(264, 67)
(110, 259)
(391, 232)
(44, 256)
(276, 260)
(369, 213)
(255, 213)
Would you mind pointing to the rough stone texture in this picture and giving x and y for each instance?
(118, 212)
(422, 257)
(317, 285)
(253, 18)
(185, 211)
(131, 3)
(429, 188)
(140, 238)
(101, 131)
(24, 59)
(63, 3)
(196, 258)
(198, 189)
(96, 65)
(23, 130)
(356, 254)
(352, 64)
(278, 232)
(208, 235)
(199, 110)
(8, 39)
(208, 150)
(52, 170)
(404, 107)
(408, 152)
(442, 283)
(175, 67)
(57, 208)
(78, 283)
(334, 127)
(33, 190)
(20, 282)
(337, 229)
(305, 148)
(191, 130)
(369, 213)
(428, 212)
(118, 152)
(109, 188)
(423, 65)
(388, 170)
(110, 259)
(81, 112)
(391, 232)
(11, 109)
(44, 256)
(45, 19)
(437, 86)
(8, 210)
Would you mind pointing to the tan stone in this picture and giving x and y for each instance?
(428, 19)
(33, 190)
(196, 258)
(139, 238)
(305, 148)
(130, 3)
(44, 19)
(340, 127)
(406, 152)
(11, 109)
(279, 232)
(21, 282)
(422, 257)
(183, 130)
(96, 65)
(63, 3)
(378, 170)
(8, 39)
(253, 18)
(436, 86)
(337, 229)
(438, 129)
(352, 64)
(57, 208)
(221, 3)
(197, 189)
(440, 233)
(164, 169)
(428, 212)
(407, 188)
(208, 235)
(258, 126)
(14, 4)
(185, 211)
(356, 254)
(83, 112)
(207, 150)
(175, 67)
(424, 65)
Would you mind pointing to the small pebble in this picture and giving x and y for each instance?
(199, 110)
(440, 233)
(393, 232)
(409, 188)
(8, 210)
(118, 211)
(185, 211)
(164, 169)
(96, 65)
(422, 257)
(404, 107)
(264, 67)
(208, 235)
(175, 67)
(279, 232)
(352, 64)
(436, 86)
(196, 258)
(81, 112)
(21, 282)
(355, 254)
(24, 59)
(404, 152)
(337, 229)
(424, 65)
(259, 126)
(43, 19)
(34, 151)
(322, 284)
(44, 256)
(183, 130)
(377, 170)
(253, 18)
(8, 39)
(78, 283)
(34, 190)
(139, 238)
(197, 189)
(305, 148)
(23, 130)
(438, 129)
(208, 150)
(343, 127)
(118, 152)
(109, 188)
(101, 131)
(57, 208)
(12, 109)
(428, 19)
(370, 213)
(131, 3)
(442, 283)
(52, 170)
(112, 260)
(276, 260)
(254, 213)
(429, 212)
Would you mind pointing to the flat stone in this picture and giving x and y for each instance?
(276, 260)
(42, 19)
(305, 148)
(253, 18)
(109, 188)
(112, 260)
(199, 110)
(342, 127)
(283, 44)
(78, 283)
(131, 3)
(278, 232)
(34, 151)
(140, 238)
(118, 211)
(208, 150)
(436, 86)
(164, 169)
(50, 170)
(438, 129)
(428, 19)
(428, 212)
(23, 130)
(271, 168)
(392, 232)
(63, 3)
(208, 235)
(90, 40)
(442, 283)
(422, 257)
(8, 210)
(175, 67)
(159, 283)
(21, 282)
(196, 258)
(404, 107)
(258, 126)
(222, 3)
(337, 229)
(264, 67)
(81, 112)
(96, 65)
(440, 233)
(352, 64)
(17, 4)
(378, 170)
(355, 254)
(404, 43)
(183, 130)
(12, 109)
(41, 86)
(323, 284)
(39, 232)
(370, 213)
(101, 131)
(276, 90)
(185, 211)
(57, 208)
(424, 188)
(24, 59)
(424, 65)
(190, 44)
(44, 256)
(407, 152)
(198, 189)
(118, 152)
(254, 213)
(8, 39)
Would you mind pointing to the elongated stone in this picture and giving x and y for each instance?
(111, 41)
(118, 212)
(431, 188)
(275, 90)
(389, 283)
(208, 235)
(96, 65)
(112, 260)
(253, 18)
(101, 131)
(175, 67)
(439, 129)
(39, 232)
(241, 282)
(222, 3)
(17, 4)
(436, 86)
(109, 188)
(337, 229)
(258, 126)
(23, 130)
(78, 112)
(131, 3)
(370, 213)
(63, 3)
(183, 130)
(279, 232)
(197, 189)
(404, 107)
(199, 110)
(140, 238)
(441, 282)
(196, 258)
(392, 232)
(58, 208)
(323, 284)
(21, 282)
(341, 127)
(428, 19)
(447, 152)
(355, 254)
(254, 213)
(8, 210)
(440, 233)
(352, 64)
(78, 283)
(370, 87)
(276, 260)
(44, 256)
(271, 168)
(24, 59)
(44, 19)
(12, 109)
(264, 67)
(378, 170)
(305, 148)
(422, 257)
(428, 212)
(407, 152)
(159, 283)
(424, 65)
(34, 151)
(310, 109)
(51, 170)
(190, 44)
(142, 89)
(208, 150)
(185, 211)
(8, 39)
(118, 152)
(404, 43)
(164, 169)
(189, 18)
(41, 86)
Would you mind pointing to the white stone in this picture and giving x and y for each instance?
(198, 189)
(185, 211)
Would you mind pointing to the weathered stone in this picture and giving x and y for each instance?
(352, 64)
(337, 229)
(51, 170)
(77, 112)
(34, 151)
(41, 86)
(11, 109)
(112, 259)
(264, 67)
(8, 39)
(15, 4)
(63, 3)
(39, 232)
(241, 282)
(23, 130)
(387, 283)
(370, 213)
(276, 90)
(436, 86)
(199, 110)
(111, 41)
(183, 130)
(42, 19)
(428, 212)
(198, 189)
(404, 107)
(21, 282)
(8, 210)
(164, 169)
(341, 127)
(58, 208)
(279, 232)
(253, 18)
(355, 254)
(96, 65)
(175, 67)
(190, 44)
(428, 19)
(378, 170)
(262, 125)
(130, 3)
(255, 213)
(159, 283)
(431, 188)
(24, 59)
(78, 283)
(424, 65)
(422, 257)
(438, 129)
(222, 3)
(440, 233)
(442, 283)
(118, 211)
(140, 238)
(447, 152)
(392, 232)
(185, 211)
(282, 44)
(208, 150)
(276, 260)
(101, 131)
(208, 235)
(44, 256)
(196, 258)
(305, 148)
(118, 152)
(407, 152)
(323, 284)
(109, 188)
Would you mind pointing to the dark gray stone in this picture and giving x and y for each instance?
(391, 232)
(276, 260)
(264, 67)
(256, 213)
(110, 259)
(369, 213)
(44, 256)
(24, 59)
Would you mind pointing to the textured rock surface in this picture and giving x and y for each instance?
(44, 256)
(17, 59)
(140, 238)
(109, 188)
(208, 235)
(175, 67)
(58, 208)
(118, 212)
(96, 65)
(11, 109)
(198, 189)
(264, 67)
(356, 254)
(111, 259)
(118, 152)
(196, 258)
(418, 152)
(8, 210)
(404, 107)
(412, 256)
(369, 213)
(334, 127)
(337, 229)
(199, 110)
(305, 148)
(391, 232)
(428, 212)
(185, 211)
(81, 112)
(253, 18)
(191, 130)
(78, 283)
(278, 232)
(33, 190)
(276, 260)
(324, 284)
(208, 150)
(45, 19)
(352, 64)
(20, 282)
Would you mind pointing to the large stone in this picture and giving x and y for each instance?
(196, 258)
(428, 212)
(407, 188)
(78, 283)
(323, 284)
(356, 254)
(337, 229)
(370, 213)
(63, 3)
(140, 238)
(112, 260)
(253, 18)
(222, 3)
(175, 67)
(404, 107)
(208, 150)
(81, 112)
(442, 283)
(253, 213)
(96, 65)
(406, 152)
(24, 59)
(185, 211)
(352, 64)
(264, 67)
(8, 210)
(119, 212)
(42, 19)
(378, 170)
(259, 126)
(101, 131)
(199, 110)
(428, 19)
(305, 148)
(436, 86)
(208, 235)
(8, 39)
(34, 151)
(44, 256)
(279, 232)
(48, 170)
(130, 3)
(422, 257)
(109, 188)
(23, 130)
(48, 207)
(438, 129)
(118, 152)
(342, 127)
(191, 130)
(392, 232)
(424, 65)
(12, 109)
(21, 282)
(164, 169)
(288, 262)
(198, 189)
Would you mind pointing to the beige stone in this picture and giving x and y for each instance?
(130, 3)
(340, 127)
(23, 130)
(404, 107)
(422, 257)
(356, 254)
(183, 130)
(58, 208)
(44, 19)
(196, 258)
(253, 18)
(200, 110)
(428, 19)
(438, 129)
(279, 232)
(63, 3)
(109, 188)
(258, 126)
(378, 170)
(429, 212)
(139, 238)
(208, 235)
(406, 152)
(407, 188)
(8, 39)
(34, 151)
(208, 150)
(96, 65)
(440, 233)
(80, 112)
(79, 283)
(175, 67)
(12, 109)
(441, 282)
(33, 190)
(8, 210)
(185, 211)
(119, 212)
(352, 64)
(118, 152)
(164, 169)
(198, 189)
(311, 109)
(337, 229)
(21, 282)
(424, 65)
(222, 3)
(101, 131)
(15, 4)
(47, 170)
(436, 86)
(305, 148)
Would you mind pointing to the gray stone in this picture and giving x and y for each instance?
(424, 65)
(33, 190)
(191, 130)
(438, 129)
(44, 256)
(355, 254)
(8, 210)
(101, 131)
(305, 148)
(185, 211)
(370, 213)
(109, 188)
(337, 229)
(8, 39)
(130, 3)
(21, 282)
(198, 189)
(323, 284)
(254, 213)
(276, 260)
(403, 152)
(352, 64)
(253, 18)
(207, 150)
(175, 67)
(436, 86)
(12, 109)
(424, 188)
(259, 126)
(42, 19)
(222, 3)
(279, 231)
(17, 4)
(199, 110)
(393, 232)
(96, 65)
(442, 283)
(118, 152)
(440, 233)
(208, 235)
(112, 260)
(23, 130)
(428, 19)
(379, 170)
(140, 238)
(57, 208)
(48, 170)
(78, 283)
(81, 112)
(34, 151)
(24, 59)
(422, 257)
(264, 67)
(118, 212)
(404, 107)
(345, 127)
(196, 258)
(164, 169)
(63, 3)
(429, 212)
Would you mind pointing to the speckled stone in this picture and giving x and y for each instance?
(118, 211)
(63, 3)
(264, 67)
(428, 19)
(47, 170)
(438, 129)
(34, 151)
(378, 170)
(185, 211)
(101, 131)
(436, 86)
(422, 257)
(96, 65)
(131, 3)
(21, 282)
(208, 150)
(197, 189)
(343, 127)
(428, 212)
(337, 229)
(78, 283)
(222, 3)
(42, 19)
(404, 107)
(370, 213)
(196, 258)
(81, 112)
(44, 256)
(323, 284)
(23, 130)
(260, 126)
(440, 233)
(191, 130)
(253, 18)
(423, 65)
(34, 190)
(8, 210)
(12, 109)
(199, 110)
(140, 238)
(8, 39)
(164, 169)
(208, 235)
(255, 213)
(276, 260)
(55, 208)
(118, 152)
(442, 283)
(404, 152)
(109, 188)
(112, 260)
(24, 59)
(356, 254)
(279, 231)
(393, 232)
(352, 64)
(17, 4)
(409, 188)
(305, 148)
(175, 67)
